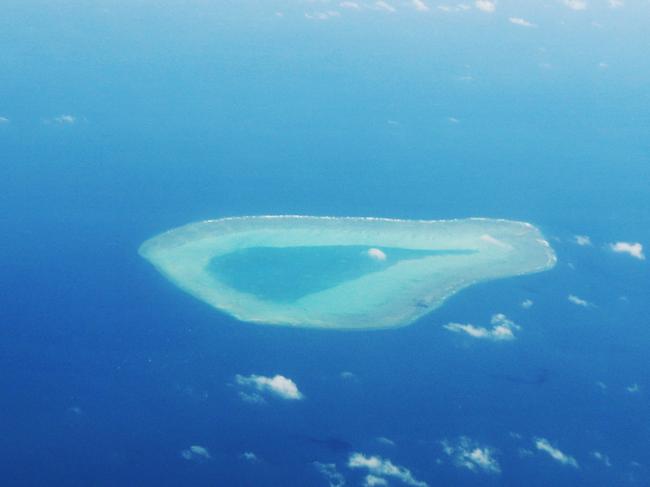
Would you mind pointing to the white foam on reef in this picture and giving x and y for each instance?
(394, 296)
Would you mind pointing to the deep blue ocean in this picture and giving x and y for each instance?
(121, 120)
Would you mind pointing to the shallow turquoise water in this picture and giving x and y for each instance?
(286, 274)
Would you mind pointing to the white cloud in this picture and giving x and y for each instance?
(633, 388)
(616, 3)
(386, 7)
(578, 301)
(467, 453)
(543, 444)
(348, 375)
(527, 303)
(601, 457)
(633, 249)
(419, 5)
(485, 5)
(277, 385)
(453, 120)
(603, 65)
(380, 468)
(521, 22)
(65, 119)
(501, 330)
(582, 240)
(3, 120)
(350, 5)
(376, 254)
(329, 471)
(249, 456)
(575, 4)
(196, 453)
(372, 481)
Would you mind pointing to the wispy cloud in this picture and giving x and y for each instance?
(385, 6)
(634, 388)
(578, 301)
(326, 15)
(196, 453)
(380, 468)
(277, 385)
(542, 444)
(467, 453)
(4, 120)
(251, 397)
(385, 441)
(582, 240)
(419, 5)
(616, 3)
(485, 5)
(575, 4)
(65, 119)
(634, 249)
(329, 471)
(502, 329)
(350, 5)
(602, 458)
(521, 22)
(527, 303)
(461, 7)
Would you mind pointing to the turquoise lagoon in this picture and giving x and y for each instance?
(341, 272)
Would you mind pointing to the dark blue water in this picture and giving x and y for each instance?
(185, 111)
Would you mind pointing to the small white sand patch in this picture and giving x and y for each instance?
(495, 241)
(376, 254)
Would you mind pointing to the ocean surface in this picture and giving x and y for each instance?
(120, 120)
